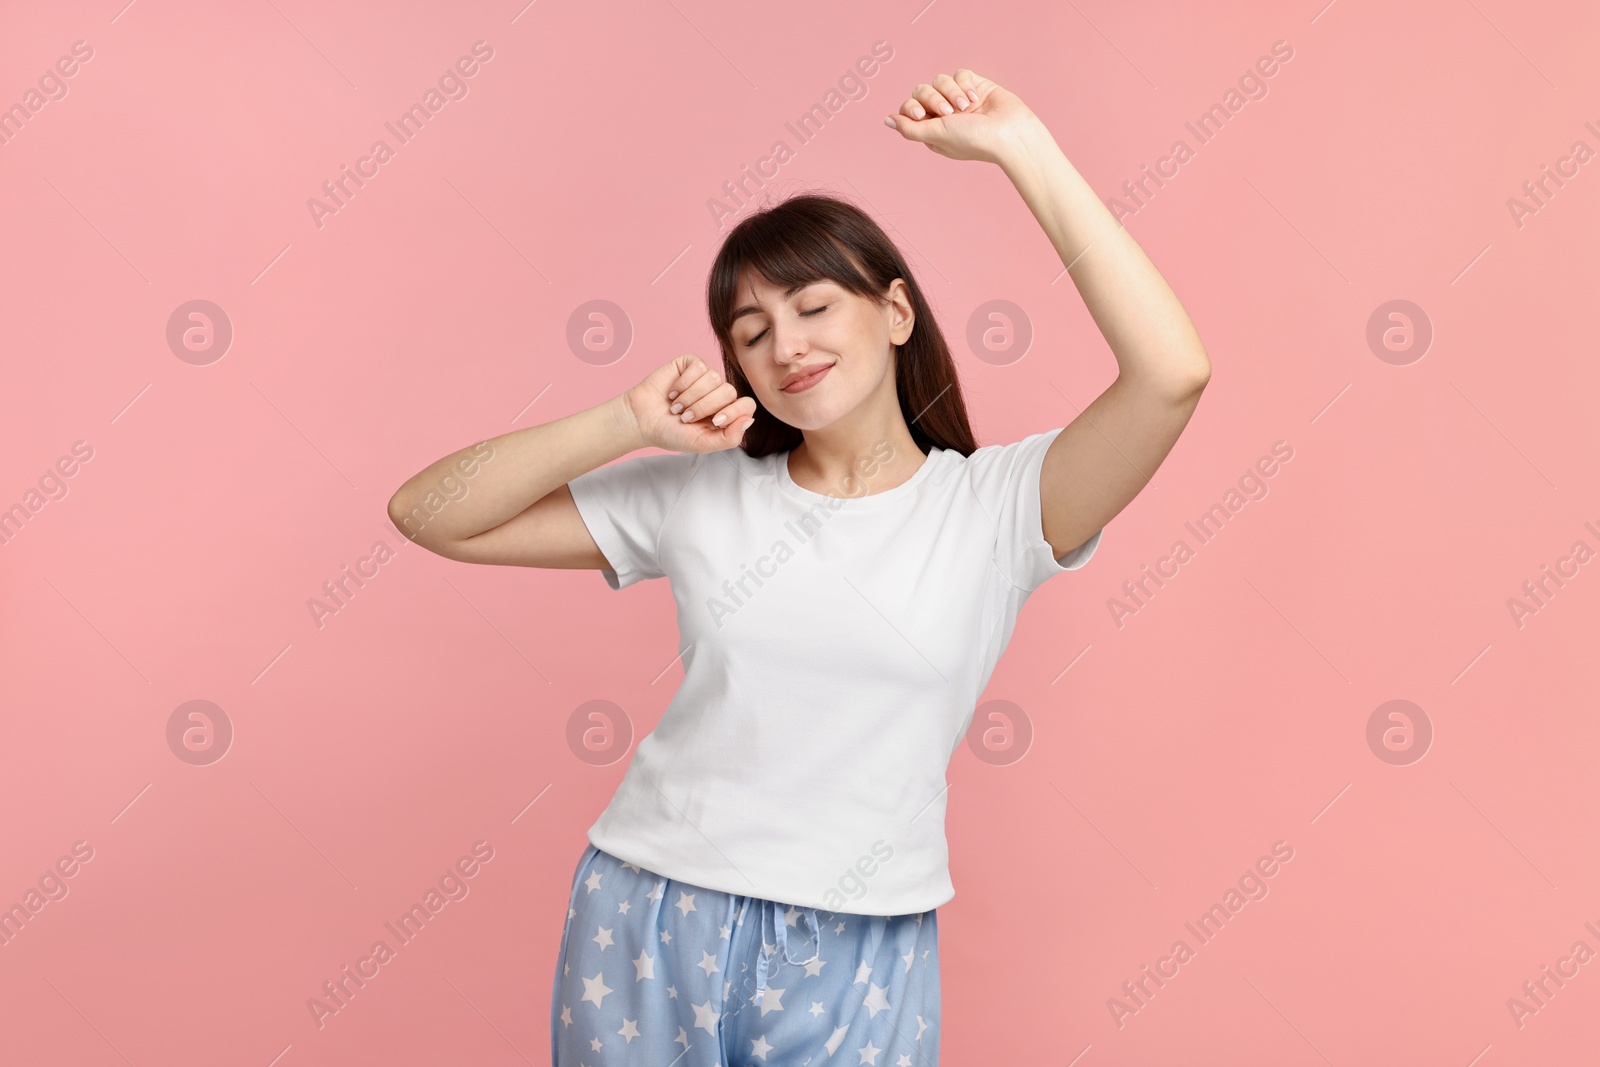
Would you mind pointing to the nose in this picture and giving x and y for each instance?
(789, 343)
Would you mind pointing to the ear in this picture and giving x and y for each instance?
(902, 319)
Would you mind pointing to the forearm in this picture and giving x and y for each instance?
(509, 473)
(1150, 334)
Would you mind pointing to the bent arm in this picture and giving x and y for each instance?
(514, 508)
(1104, 456)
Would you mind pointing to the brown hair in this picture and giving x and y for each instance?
(813, 236)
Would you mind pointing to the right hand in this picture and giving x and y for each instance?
(718, 417)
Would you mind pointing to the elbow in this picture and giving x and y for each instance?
(400, 512)
(1180, 374)
(1175, 385)
(1192, 382)
(411, 518)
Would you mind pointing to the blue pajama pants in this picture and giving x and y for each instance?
(662, 973)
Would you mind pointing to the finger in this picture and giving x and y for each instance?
(911, 129)
(743, 407)
(954, 94)
(691, 393)
(704, 397)
(717, 407)
(690, 367)
(734, 430)
(913, 109)
(973, 84)
(933, 100)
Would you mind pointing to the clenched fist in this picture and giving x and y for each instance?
(685, 406)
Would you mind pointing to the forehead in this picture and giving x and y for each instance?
(752, 281)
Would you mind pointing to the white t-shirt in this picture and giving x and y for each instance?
(833, 652)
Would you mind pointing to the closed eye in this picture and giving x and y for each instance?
(763, 333)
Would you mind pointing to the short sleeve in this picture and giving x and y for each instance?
(1006, 478)
(625, 505)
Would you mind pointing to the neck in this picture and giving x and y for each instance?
(856, 456)
(869, 450)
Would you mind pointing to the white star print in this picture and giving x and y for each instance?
(566, 1015)
(903, 1061)
(644, 966)
(863, 973)
(672, 991)
(655, 894)
(832, 1043)
(594, 1043)
(876, 999)
(760, 1047)
(685, 903)
(869, 1053)
(771, 1000)
(595, 989)
(603, 938)
(630, 1029)
(634, 867)
(705, 1017)
(593, 881)
(922, 1024)
(708, 963)
(791, 915)
(682, 1039)
(623, 907)
(816, 1007)
(911, 954)
(666, 937)
(839, 929)
(725, 931)
(814, 968)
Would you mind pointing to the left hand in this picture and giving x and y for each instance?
(962, 116)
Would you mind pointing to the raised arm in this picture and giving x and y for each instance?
(505, 500)
(1106, 454)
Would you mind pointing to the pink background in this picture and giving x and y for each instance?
(431, 711)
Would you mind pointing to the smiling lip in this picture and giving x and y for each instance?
(800, 385)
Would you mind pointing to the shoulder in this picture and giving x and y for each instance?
(651, 467)
(999, 467)
(655, 481)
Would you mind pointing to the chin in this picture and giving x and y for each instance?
(807, 417)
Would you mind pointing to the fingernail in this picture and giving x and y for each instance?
(676, 408)
(688, 416)
(672, 394)
(718, 420)
(889, 122)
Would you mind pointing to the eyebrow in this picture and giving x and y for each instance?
(751, 309)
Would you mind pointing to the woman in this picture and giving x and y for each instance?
(848, 567)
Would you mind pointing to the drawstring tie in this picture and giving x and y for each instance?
(780, 940)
